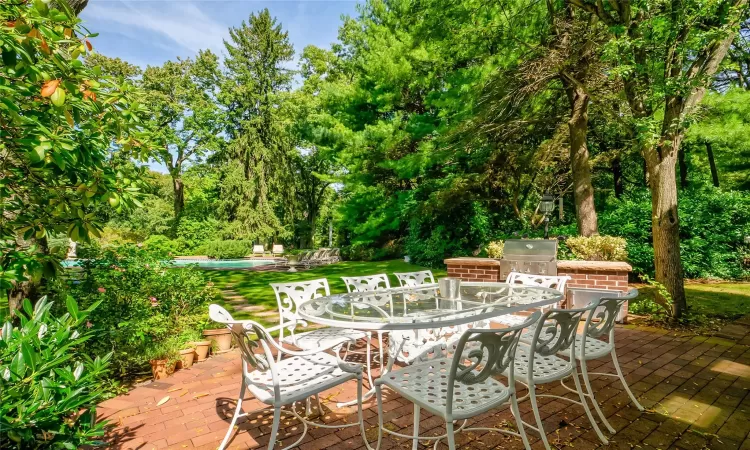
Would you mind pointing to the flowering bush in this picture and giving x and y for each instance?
(145, 301)
(598, 248)
(495, 249)
(48, 388)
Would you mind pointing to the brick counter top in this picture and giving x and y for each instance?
(607, 266)
(469, 261)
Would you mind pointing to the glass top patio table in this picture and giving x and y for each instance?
(423, 307)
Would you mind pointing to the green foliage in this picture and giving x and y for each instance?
(228, 249)
(144, 302)
(62, 122)
(598, 248)
(714, 224)
(158, 243)
(495, 249)
(49, 386)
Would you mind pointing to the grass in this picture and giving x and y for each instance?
(254, 286)
(725, 301)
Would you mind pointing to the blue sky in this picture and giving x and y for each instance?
(149, 32)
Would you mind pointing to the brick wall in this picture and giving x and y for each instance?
(610, 275)
(474, 269)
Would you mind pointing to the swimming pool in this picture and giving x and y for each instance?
(206, 263)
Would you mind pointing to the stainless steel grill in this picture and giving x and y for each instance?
(534, 256)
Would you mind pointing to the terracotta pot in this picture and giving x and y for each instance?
(201, 350)
(160, 368)
(186, 358)
(221, 337)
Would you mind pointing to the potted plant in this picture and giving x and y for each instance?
(163, 359)
(201, 350)
(187, 349)
(221, 338)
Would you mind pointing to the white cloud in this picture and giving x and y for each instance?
(180, 22)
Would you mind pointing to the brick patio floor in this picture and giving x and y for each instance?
(695, 390)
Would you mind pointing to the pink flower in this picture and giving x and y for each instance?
(154, 301)
(102, 290)
(89, 324)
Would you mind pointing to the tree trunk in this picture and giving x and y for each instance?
(617, 177)
(712, 163)
(665, 223)
(179, 195)
(579, 159)
(683, 168)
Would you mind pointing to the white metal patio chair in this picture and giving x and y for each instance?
(289, 296)
(370, 283)
(456, 382)
(282, 384)
(258, 249)
(277, 250)
(538, 362)
(413, 279)
(553, 282)
(599, 324)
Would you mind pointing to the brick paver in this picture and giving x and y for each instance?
(694, 388)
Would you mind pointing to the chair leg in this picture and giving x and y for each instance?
(590, 392)
(368, 357)
(535, 408)
(380, 349)
(275, 426)
(585, 404)
(237, 412)
(359, 411)
(450, 435)
(320, 407)
(379, 396)
(519, 422)
(624, 383)
(415, 441)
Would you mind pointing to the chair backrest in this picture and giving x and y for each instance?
(411, 279)
(250, 336)
(290, 295)
(548, 281)
(557, 332)
(258, 248)
(277, 248)
(367, 283)
(601, 321)
(492, 351)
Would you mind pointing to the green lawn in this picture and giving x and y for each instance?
(716, 300)
(254, 286)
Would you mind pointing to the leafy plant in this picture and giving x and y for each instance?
(228, 249)
(49, 387)
(598, 248)
(495, 249)
(145, 302)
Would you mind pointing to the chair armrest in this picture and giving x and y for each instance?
(282, 349)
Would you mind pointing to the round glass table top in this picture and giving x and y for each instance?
(423, 307)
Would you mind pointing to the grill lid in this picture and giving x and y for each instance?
(530, 249)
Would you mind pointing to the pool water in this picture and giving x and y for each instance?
(223, 263)
(207, 263)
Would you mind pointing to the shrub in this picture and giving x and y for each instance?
(598, 248)
(49, 387)
(228, 249)
(144, 302)
(193, 234)
(495, 249)
(161, 244)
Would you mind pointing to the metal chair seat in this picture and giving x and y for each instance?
(426, 385)
(546, 368)
(324, 337)
(595, 348)
(298, 377)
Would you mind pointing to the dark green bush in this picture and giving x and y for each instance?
(228, 249)
(713, 224)
(145, 301)
(49, 387)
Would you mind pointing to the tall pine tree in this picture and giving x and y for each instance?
(257, 177)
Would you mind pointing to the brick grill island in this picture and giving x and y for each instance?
(609, 275)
